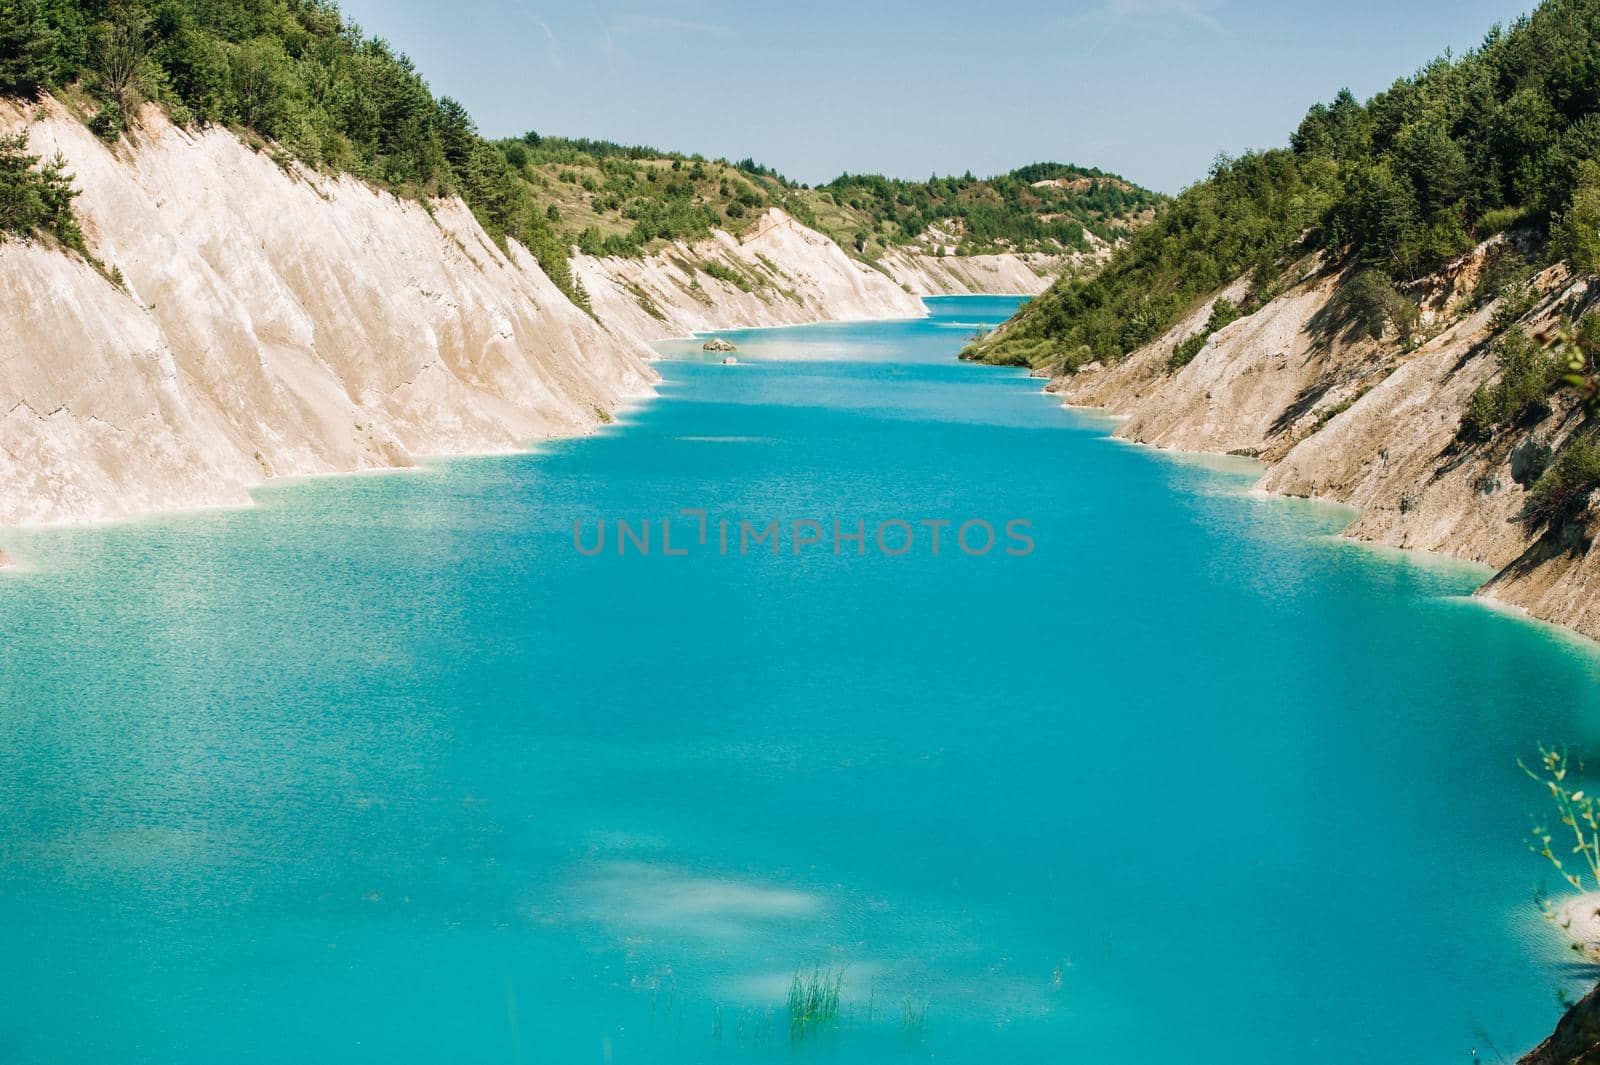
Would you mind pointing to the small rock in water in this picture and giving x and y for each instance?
(730, 361)
(718, 344)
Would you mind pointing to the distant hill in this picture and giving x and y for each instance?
(619, 200)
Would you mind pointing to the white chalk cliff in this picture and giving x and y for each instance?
(1341, 417)
(276, 322)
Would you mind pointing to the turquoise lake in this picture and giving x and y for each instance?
(385, 770)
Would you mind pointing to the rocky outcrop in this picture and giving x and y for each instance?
(1342, 417)
(1576, 1040)
(717, 344)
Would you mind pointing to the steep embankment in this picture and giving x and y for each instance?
(1422, 373)
(1341, 416)
(945, 236)
(777, 273)
(272, 321)
(999, 273)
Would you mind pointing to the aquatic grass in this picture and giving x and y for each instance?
(1576, 811)
(814, 999)
(913, 1015)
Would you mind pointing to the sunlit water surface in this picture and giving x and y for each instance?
(383, 770)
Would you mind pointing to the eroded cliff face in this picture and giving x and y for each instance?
(779, 273)
(1011, 274)
(272, 322)
(1342, 417)
(920, 270)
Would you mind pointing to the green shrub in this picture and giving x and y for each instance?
(1528, 374)
(729, 276)
(1576, 233)
(1507, 277)
(1500, 219)
(107, 124)
(36, 198)
(1482, 415)
(1369, 303)
(1517, 298)
(1223, 312)
(1184, 353)
(1559, 495)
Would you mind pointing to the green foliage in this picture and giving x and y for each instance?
(1506, 277)
(1244, 217)
(814, 1000)
(1045, 206)
(1507, 134)
(1560, 493)
(1223, 312)
(1184, 353)
(24, 47)
(35, 198)
(1478, 421)
(623, 200)
(1528, 374)
(1577, 231)
(1577, 816)
(1517, 297)
(1582, 350)
(1500, 219)
(726, 274)
(1369, 304)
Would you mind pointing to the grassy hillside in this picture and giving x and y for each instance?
(1505, 136)
(612, 199)
(1043, 207)
(618, 200)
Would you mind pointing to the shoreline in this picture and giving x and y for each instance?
(422, 464)
(704, 333)
(426, 461)
(1479, 596)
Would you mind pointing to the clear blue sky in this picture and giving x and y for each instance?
(1152, 89)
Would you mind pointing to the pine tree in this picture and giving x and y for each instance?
(24, 48)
